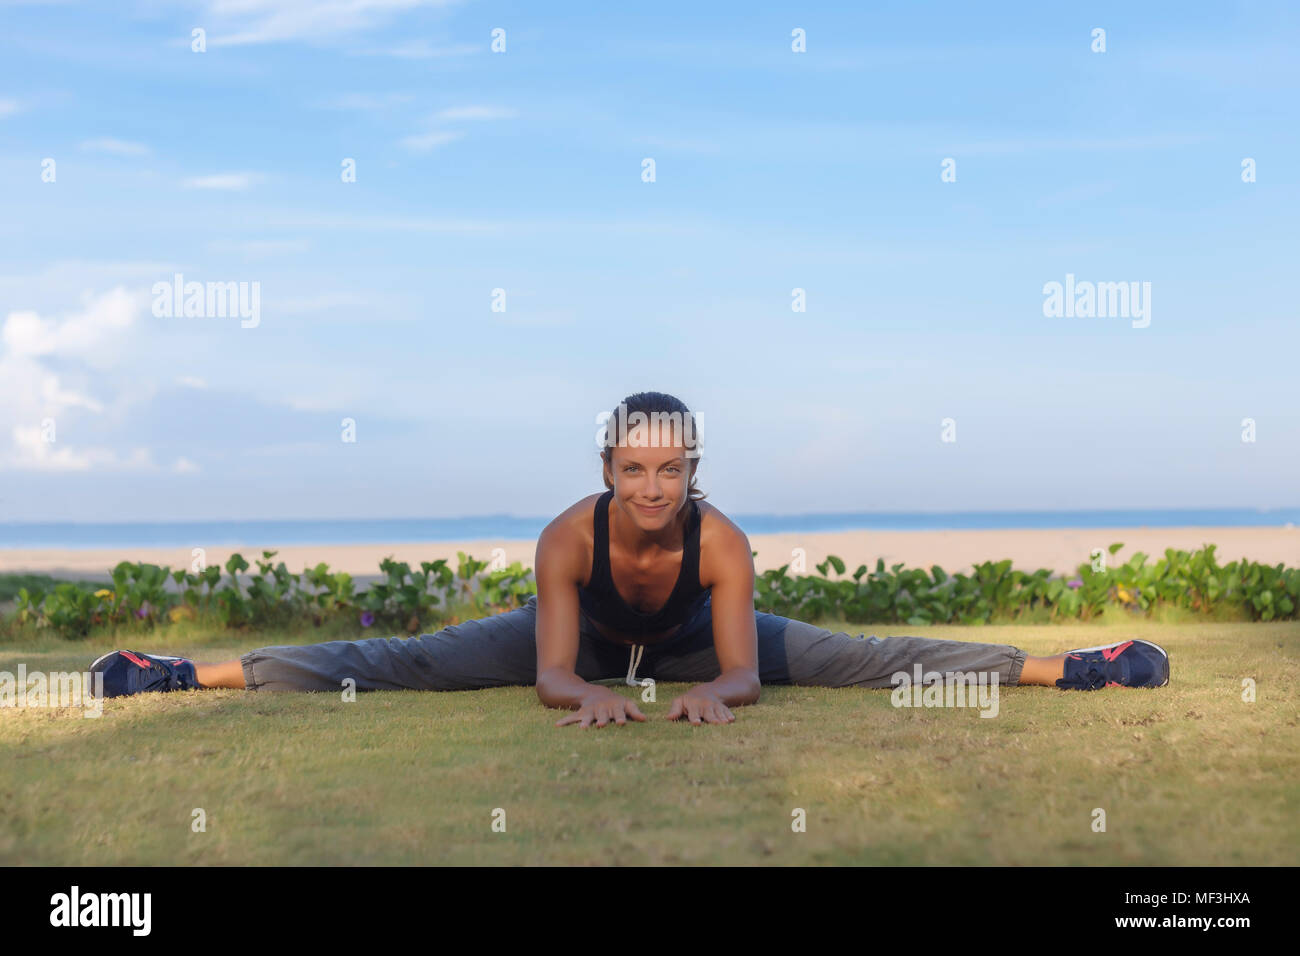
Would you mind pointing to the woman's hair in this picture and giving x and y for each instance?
(657, 407)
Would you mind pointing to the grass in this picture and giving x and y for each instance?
(1188, 774)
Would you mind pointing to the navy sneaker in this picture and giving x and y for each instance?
(1124, 664)
(130, 672)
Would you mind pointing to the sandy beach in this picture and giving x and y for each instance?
(1060, 550)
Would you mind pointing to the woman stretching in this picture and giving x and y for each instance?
(640, 580)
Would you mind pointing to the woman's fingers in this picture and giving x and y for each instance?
(697, 711)
(716, 713)
(602, 714)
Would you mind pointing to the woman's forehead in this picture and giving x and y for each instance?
(648, 454)
(657, 432)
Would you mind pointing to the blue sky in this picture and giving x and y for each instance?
(521, 170)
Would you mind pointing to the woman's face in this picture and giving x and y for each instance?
(651, 477)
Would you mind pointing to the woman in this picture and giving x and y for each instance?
(646, 579)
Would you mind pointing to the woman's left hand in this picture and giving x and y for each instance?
(701, 705)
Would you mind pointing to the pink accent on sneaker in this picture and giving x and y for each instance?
(1117, 651)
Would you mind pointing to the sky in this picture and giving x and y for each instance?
(922, 172)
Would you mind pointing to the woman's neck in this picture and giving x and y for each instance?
(634, 540)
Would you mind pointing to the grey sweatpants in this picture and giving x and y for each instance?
(501, 650)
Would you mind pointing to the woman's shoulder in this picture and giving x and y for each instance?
(723, 545)
(568, 540)
(577, 515)
(713, 520)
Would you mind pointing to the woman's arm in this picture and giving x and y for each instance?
(559, 569)
(730, 565)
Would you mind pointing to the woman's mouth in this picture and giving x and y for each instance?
(652, 511)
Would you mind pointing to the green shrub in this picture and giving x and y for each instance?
(411, 600)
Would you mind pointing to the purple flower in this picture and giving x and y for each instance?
(1074, 585)
(144, 610)
(367, 618)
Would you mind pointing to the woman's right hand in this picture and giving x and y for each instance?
(600, 707)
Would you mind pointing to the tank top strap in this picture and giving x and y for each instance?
(691, 549)
(600, 572)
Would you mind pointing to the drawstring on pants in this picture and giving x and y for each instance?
(633, 662)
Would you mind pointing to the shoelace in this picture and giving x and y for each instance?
(1095, 676)
(633, 662)
(173, 675)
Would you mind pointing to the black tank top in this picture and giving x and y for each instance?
(601, 601)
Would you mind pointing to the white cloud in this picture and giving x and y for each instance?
(30, 451)
(232, 181)
(433, 138)
(424, 50)
(55, 279)
(476, 113)
(56, 396)
(1073, 144)
(34, 396)
(8, 107)
(367, 102)
(257, 248)
(183, 466)
(86, 335)
(271, 21)
(553, 318)
(465, 227)
(320, 303)
(190, 381)
(424, 142)
(116, 147)
(681, 145)
(490, 227)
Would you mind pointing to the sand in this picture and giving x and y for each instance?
(1058, 550)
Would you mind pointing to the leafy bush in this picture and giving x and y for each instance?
(1193, 581)
(411, 600)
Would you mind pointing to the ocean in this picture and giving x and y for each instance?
(259, 533)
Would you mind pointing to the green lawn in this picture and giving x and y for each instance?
(1187, 774)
